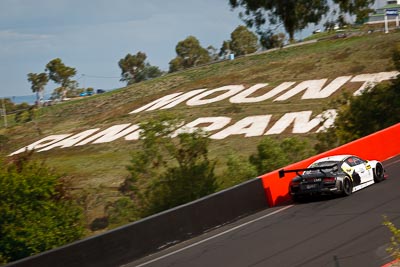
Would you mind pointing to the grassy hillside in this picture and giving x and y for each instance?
(97, 170)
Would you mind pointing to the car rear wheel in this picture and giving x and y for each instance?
(347, 187)
(378, 173)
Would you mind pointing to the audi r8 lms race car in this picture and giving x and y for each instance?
(340, 174)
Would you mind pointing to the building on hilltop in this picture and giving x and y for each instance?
(380, 8)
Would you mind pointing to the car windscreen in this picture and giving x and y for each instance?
(332, 164)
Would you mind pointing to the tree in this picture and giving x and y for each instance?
(212, 52)
(296, 149)
(225, 49)
(269, 157)
(238, 170)
(35, 210)
(149, 72)
(189, 54)
(134, 68)
(243, 41)
(90, 90)
(269, 40)
(131, 66)
(192, 178)
(168, 172)
(61, 74)
(272, 154)
(38, 82)
(294, 15)
(360, 8)
(176, 64)
(57, 93)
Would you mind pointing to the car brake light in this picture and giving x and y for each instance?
(330, 179)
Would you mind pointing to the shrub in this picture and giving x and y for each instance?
(35, 210)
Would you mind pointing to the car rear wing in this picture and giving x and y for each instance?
(297, 171)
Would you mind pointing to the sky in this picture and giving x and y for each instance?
(93, 35)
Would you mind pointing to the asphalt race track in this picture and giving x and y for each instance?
(329, 231)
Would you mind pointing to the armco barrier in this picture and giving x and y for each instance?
(125, 244)
(380, 146)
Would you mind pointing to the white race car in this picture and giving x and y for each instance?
(341, 174)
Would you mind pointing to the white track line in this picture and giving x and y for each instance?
(214, 236)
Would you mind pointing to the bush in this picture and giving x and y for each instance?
(35, 210)
(238, 170)
(272, 154)
(168, 172)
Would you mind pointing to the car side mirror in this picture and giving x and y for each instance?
(281, 173)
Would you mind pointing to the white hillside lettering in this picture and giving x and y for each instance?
(371, 80)
(249, 126)
(314, 88)
(49, 140)
(135, 134)
(70, 141)
(328, 118)
(300, 120)
(110, 134)
(213, 124)
(201, 99)
(168, 101)
(243, 97)
(327, 91)
(115, 133)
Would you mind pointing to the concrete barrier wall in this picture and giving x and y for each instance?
(138, 239)
(379, 146)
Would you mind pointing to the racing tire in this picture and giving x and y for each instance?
(378, 173)
(347, 187)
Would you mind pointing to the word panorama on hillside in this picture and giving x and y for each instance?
(222, 127)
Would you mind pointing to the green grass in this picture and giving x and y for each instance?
(96, 171)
